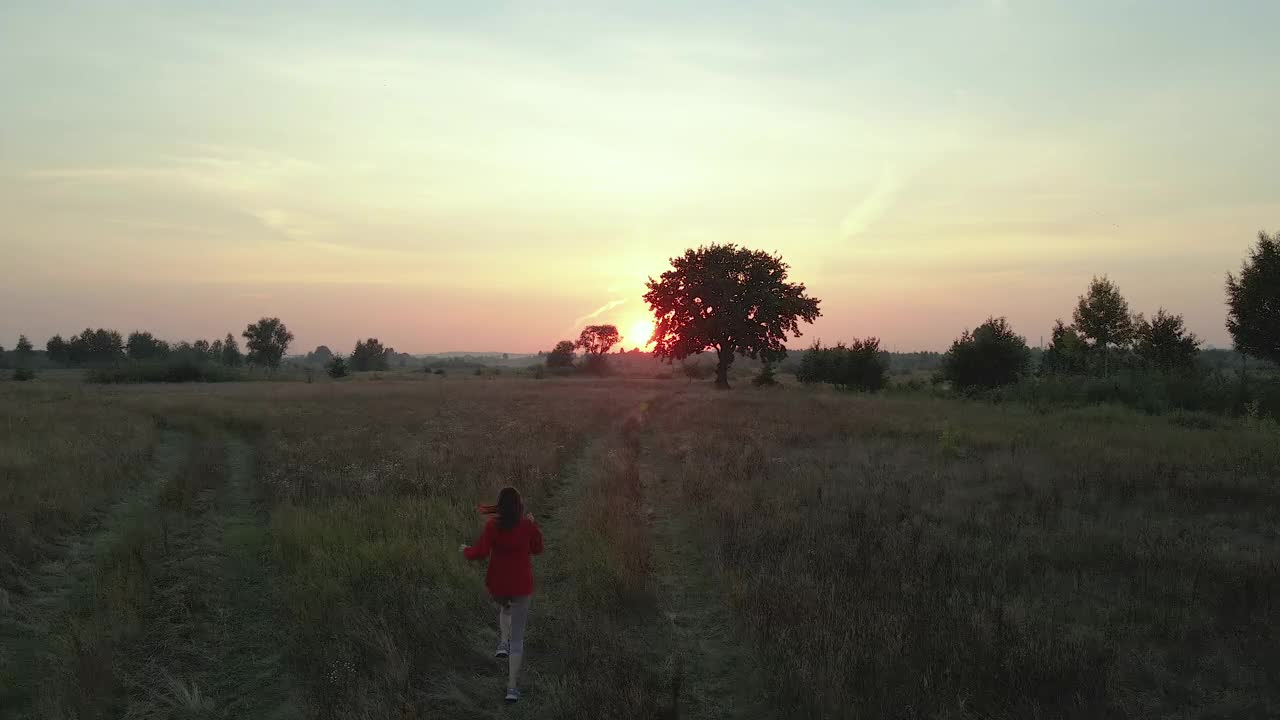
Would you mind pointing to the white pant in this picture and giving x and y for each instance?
(512, 617)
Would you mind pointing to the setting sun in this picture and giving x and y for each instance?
(638, 334)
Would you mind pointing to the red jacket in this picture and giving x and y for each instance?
(510, 571)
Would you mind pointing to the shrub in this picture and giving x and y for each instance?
(24, 374)
(336, 367)
(765, 378)
(857, 366)
(172, 370)
(439, 371)
(695, 370)
(990, 356)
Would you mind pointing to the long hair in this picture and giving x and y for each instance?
(509, 508)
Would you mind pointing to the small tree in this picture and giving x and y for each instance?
(1102, 317)
(370, 355)
(813, 364)
(22, 359)
(595, 341)
(4, 359)
(57, 351)
(336, 367)
(858, 366)
(267, 341)
(728, 299)
(1253, 316)
(320, 356)
(1067, 354)
(990, 356)
(1164, 343)
(231, 355)
(766, 377)
(22, 352)
(561, 356)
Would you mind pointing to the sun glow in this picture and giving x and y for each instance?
(638, 334)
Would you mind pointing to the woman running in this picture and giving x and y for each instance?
(508, 540)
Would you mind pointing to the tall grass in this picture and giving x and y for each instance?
(899, 558)
(290, 550)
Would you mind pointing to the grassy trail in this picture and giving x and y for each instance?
(210, 645)
(715, 675)
(49, 634)
(162, 610)
(595, 646)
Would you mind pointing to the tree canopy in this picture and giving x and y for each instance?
(730, 300)
(561, 356)
(595, 341)
(990, 356)
(1253, 316)
(370, 355)
(144, 346)
(267, 341)
(1067, 354)
(598, 339)
(1163, 343)
(1102, 317)
(230, 352)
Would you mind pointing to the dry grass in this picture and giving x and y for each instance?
(899, 558)
(290, 550)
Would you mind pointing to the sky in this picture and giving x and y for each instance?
(490, 176)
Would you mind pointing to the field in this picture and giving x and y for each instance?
(289, 550)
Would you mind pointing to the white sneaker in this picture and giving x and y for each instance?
(513, 695)
(504, 649)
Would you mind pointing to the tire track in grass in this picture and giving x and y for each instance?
(715, 675)
(44, 632)
(212, 647)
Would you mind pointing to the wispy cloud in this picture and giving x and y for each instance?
(577, 323)
(874, 204)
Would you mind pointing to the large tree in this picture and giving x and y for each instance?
(1163, 342)
(267, 341)
(730, 300)
(1253, 316)
(1102, 317)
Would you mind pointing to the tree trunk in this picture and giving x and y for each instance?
(722, 369)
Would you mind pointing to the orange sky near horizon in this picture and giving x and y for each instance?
(456, 178)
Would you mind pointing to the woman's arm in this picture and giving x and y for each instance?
(535, 537)
(483, 545)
